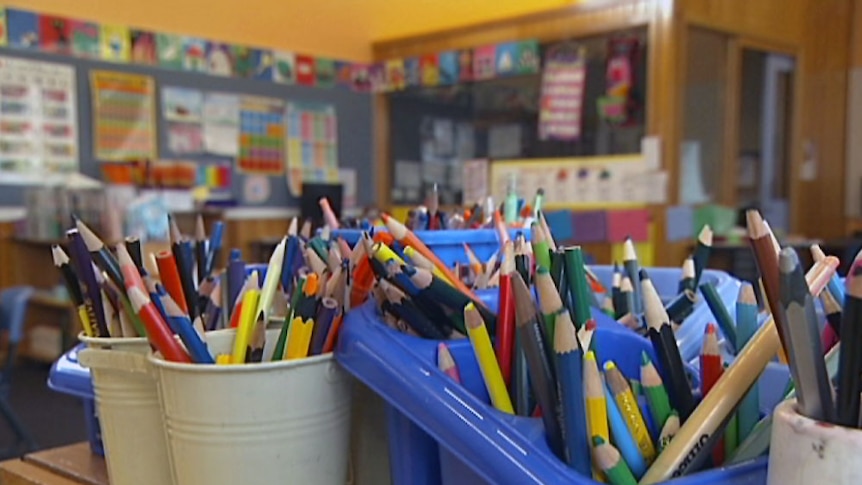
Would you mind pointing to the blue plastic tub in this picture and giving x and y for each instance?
(68, 377)
(449, 244)
(477, 443)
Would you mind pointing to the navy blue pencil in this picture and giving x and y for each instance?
(570, 392)
(182, 326)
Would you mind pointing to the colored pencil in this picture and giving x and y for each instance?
(100, 254)
(180, 324)
(183, 265)
(158, 332)
(686, 451)
(446, 363)
(407, 310)
(832, 309)
(245, 327)
(505, 335)
(83, 265)
(322, 323)
(579, 290)
(664, 344)
(626, 297)
(570, 391)
(746, 325)
(850, 366)
(271, 280)
(731, 436)
(214, 246)
(632, 269)
(711, 369)
(541, 250)
(200, 248)
(61, 261)
(616, 294)
(549, 303)
(540, 371)
(814, 391)
(481, 342)
(597, 413)
(681, 307)
(701, 252)
(299, 339)
(767, 265)
(133, 245)
(129, 270)
(686, 280)
(612, 465)
(628, 406)
(653, 389)
(170, 277)
(668, 431)
(721, 314)
(622, 437)
(329, 216)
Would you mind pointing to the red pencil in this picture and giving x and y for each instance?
(446, 363)
(170, 276)
(157, 330)
(711, 369)
(506, 313)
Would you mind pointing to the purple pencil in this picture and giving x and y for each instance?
(322, 323)
(80, 257)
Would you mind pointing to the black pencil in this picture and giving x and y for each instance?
(813, 389)
(200, 248)
(133, 245)
(686, 280)
(701, 252)
(850, 361)
(632, 267)
(616, 295)
(664, 344)
(184, 268)
(538, 366)
(101, 255)
(832, 309)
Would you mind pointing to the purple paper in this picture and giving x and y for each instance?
(590, 226)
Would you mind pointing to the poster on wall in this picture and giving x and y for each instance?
(561, 98)
(261, 136)
(221, 124)
(181, 109)
(38, 135)
(2, 27)
(312, 145)
(124, 120)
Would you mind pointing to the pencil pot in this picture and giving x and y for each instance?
(274, 422)
(805, 451)
(128, 408)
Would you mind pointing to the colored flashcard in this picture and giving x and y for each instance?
(245, 59)
(412, 72)
(182, 104)
(115, 43)
(124, 120)
(169, 51)
(22, 29)
(679, 223)
(527, 57)
(3, 37)
(85, 39)
(284, 70)
(395, 74)
(377, 77)
(324, 72)
(430, 70)
(261, 136)
(633, 223)
(219, 59)
(447, 62)
(195, 55)
(465, 65)
(361, 81)
(484, 62)
(185, 138)
(590, 226)
(506, 59)
(560, 223)
(54, 34)
(143, 45)
(304, 70)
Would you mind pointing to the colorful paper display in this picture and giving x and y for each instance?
(312, 145)
(561, 99)
(195, 55)
(85, 39)
(143, 47)
(38, 134)
(590, 226)
(284, 70)
(633, 223)
(54, 34)
(115, 43)
(22, 29)
(221, 124)
(3, 38)
(124, 118)
(261, 136)
(679, 223)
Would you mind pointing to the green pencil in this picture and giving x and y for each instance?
(610, 462)
(578, 287)
(653, 389)
(541, 250)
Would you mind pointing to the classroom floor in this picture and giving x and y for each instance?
(53, 419)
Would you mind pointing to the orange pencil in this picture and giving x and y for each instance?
(170, 276)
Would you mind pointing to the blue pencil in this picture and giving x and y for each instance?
(570, 392)
(748, 413)
(214, 246)
(623, 439)
(181, 325)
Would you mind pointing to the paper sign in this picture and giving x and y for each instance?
(679, 223)
(219, 59)
(484, 62)
(143, 45)
(182, 104)
(221, 124)
(195, 56)
(475, 180)
(633, 223)
(124, 121)
(261, 136)
(590, 226)
(651, 152)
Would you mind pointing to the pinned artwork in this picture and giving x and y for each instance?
(195, 55)
(22, 29)
(284, 69)
(448, 66)
(169, 51)
(85, 39)
(484, 62)
(324, 72)
(143, 45)
(219, 59)
(304, 70)
(55, 34)
(261, 136)
(115, 43)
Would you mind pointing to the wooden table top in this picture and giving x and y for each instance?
(67, 465)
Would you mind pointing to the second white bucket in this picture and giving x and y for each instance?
(130, 416)
(274, 422)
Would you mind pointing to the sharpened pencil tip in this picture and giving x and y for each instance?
(787, 260)
(643, 275)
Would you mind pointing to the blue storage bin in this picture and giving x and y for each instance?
(479, 444)
(68, 377)
(448, 245)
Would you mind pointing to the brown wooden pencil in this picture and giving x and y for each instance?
(767, 265)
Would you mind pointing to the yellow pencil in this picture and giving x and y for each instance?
(491, 374)
(299, 338)
(247, 320)
(597, 411)
(629, 408)
(421, 261)
(384, 253)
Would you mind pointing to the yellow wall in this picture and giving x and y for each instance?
(339, 28)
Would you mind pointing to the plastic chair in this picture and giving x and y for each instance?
(13, 309)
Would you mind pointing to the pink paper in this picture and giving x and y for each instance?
(633, 223)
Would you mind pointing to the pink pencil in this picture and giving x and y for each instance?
(446, 363)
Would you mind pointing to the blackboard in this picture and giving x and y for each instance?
(353, 111)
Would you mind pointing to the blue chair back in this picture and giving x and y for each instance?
(13, 309)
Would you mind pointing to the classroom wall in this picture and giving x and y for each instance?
(353, 111)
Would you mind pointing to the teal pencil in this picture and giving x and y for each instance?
(570, 392)
(722, 317)
(623, 439)
(746, 324)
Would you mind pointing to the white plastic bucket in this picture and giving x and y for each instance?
(274, 422)
(805, 451)
(130, 415)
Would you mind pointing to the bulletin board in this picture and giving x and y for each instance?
(354, 113)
